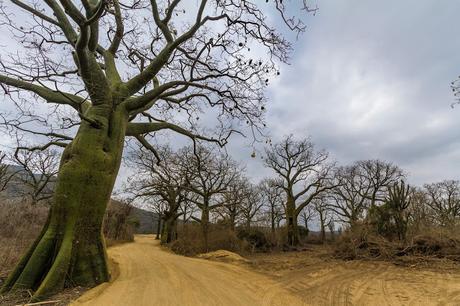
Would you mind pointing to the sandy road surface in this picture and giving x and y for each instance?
(149, 275)
(328, 282)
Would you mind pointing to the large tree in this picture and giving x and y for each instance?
(112, 69)
(305, 174)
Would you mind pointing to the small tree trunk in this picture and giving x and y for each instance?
(307, 230)
(168, 233)
(248, 223)
(232, 222)
(71, 250)
(272, 217)
(205, 228)
(292, 228)
(157, 237)
(323, 231)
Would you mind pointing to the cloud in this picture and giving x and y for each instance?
(371, 80)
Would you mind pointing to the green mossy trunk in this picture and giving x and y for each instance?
(70, 250)
(291, 219)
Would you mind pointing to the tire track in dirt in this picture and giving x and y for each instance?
(336, 283)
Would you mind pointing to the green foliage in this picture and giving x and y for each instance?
(390, 219)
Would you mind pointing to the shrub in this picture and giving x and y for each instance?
(256, 239)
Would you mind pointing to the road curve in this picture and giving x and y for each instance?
(149, 275)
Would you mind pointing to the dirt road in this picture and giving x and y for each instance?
(149, 275)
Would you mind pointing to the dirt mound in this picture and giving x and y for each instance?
(224, 256)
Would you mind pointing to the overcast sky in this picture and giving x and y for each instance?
(370, 79)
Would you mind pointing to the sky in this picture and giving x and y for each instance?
(369, 79)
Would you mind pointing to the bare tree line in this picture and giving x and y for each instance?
(307, 191)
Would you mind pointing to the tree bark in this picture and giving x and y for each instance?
(70, 250)
(168, 233)
(291, 219)
(205, 228)
(157, 237)
(323, 231)
(307, 230)
(272, 217)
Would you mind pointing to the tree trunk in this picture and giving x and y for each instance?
(323, 231)
(70, 250)
(232, 221)
(168, 233)
(272, 217)
(291, 219)
(205, 228)
(248, 223)
(157, 237)
(307, 230)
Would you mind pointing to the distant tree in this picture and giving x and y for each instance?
(6, 174)
(209, 175)
(419, 213)
(251, 205)
(391, 219)
(324, 215)
(157, 207)
(399, 199)
(272, 194)
(350, 198)
(37, 174)
(233, 198)
(308, 214)
(444, 201)
(380, 175)
(305, 174)
(331, 227)
(117, 223)
(162, 178)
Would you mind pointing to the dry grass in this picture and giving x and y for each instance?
(190, 240)
(429, 247)
(20, 223)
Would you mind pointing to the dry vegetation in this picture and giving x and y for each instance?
(19, 226)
